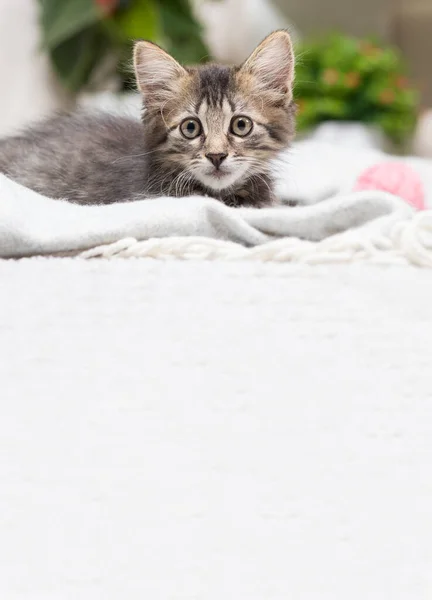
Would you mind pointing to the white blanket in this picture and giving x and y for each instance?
(318, 176)
(215, 430)
(210, 431)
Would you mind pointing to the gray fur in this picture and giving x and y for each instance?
(97, 158)
(84, 158)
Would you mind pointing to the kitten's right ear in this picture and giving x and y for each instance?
(271, 65)
(157, 73)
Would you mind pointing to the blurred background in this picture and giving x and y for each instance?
(363, 66)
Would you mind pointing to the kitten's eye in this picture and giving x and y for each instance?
(191, 128)
(241, 126)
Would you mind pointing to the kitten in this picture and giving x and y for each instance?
(210, 130)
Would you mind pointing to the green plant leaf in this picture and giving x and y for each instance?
(182, 32)
(75, 59)
(139, 21)
(344, 78)
(62, 19)
(77, 34)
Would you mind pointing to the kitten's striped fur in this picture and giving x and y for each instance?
(88, 158)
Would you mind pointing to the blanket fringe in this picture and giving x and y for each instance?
(386, 241)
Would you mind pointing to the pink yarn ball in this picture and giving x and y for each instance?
(397, 179)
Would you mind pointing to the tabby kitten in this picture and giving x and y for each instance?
(210, 130)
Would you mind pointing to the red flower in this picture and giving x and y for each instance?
(331, 76)
(401, 82)
(387, 96)
(352, 80)
(107, 6)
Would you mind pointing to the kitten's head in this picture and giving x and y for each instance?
(218, 125)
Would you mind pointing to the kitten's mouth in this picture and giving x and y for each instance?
(219, 173)
(219, 179)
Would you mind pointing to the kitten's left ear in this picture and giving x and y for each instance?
(271, 65)
(158, 74)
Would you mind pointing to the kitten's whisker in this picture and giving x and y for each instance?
(260, 178)
(186, 184)
(175, 182)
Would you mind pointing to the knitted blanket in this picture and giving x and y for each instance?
(330, 221)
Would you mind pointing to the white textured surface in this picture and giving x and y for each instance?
(205, 431)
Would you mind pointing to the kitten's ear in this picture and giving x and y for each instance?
(271, 65)
(157, 73)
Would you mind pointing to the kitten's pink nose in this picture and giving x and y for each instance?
(216, 159)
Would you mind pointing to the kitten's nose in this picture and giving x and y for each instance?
(216, 159)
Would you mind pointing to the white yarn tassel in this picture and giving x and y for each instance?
(390, 240)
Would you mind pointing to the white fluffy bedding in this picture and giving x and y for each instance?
(234, 428)
(214, 430)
